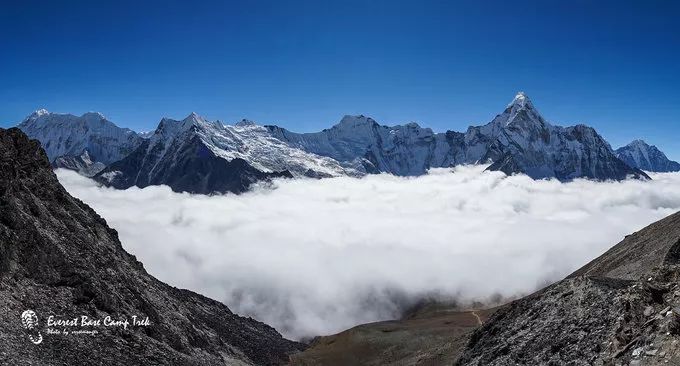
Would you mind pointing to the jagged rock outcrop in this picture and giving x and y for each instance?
(82, 164)
(641, 155)
(199, 156)
(59, 258)
(85, 143)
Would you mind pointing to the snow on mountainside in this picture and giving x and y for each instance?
(200, 156)
(640, 155)
(401, 150)
(530, 145)
(84, 143)
(519, 140)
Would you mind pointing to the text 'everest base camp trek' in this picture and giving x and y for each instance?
(58, 256)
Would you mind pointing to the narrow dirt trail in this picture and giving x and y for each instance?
(479, 320)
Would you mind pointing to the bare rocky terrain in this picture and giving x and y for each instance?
(59, 258)
(623, 308)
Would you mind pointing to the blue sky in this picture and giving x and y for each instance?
(305, 64)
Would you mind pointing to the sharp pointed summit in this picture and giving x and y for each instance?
(520, 113)
(521, 99)
(194, 117)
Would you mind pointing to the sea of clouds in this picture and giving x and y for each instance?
(314, 257)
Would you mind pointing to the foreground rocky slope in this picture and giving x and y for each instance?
(59, 258)
(623, 308)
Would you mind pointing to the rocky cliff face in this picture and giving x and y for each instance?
(66, 138)
(641, 155)
(59, 258)
(519, 140)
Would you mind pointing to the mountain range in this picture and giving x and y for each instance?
(200, 156)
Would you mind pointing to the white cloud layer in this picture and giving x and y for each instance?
(314, 257)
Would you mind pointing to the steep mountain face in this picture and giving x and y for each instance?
(59, 258)
(622, 308)
(85, 144)
(198, 156)
(639, 154)
(519, 140)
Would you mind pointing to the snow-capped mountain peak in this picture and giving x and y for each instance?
(169, 128)
(519, 116)
(38, 113)
(350, 121)
(67, 135)
(194, 117)
(521, 100)
(94, 117)
(245, 122)
(640, 144)
(641, 155)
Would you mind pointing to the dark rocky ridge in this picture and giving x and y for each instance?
(58, 257)
(623, 308)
